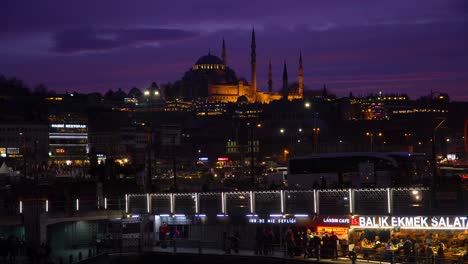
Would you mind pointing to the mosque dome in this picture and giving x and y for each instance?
(209, 62)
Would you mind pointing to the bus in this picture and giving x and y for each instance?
(359, 170)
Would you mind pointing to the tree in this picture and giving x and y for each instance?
(135, 93)
(109, 95)
(41, 89)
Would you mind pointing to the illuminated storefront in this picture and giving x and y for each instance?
(388, 233)
(333, 224)
(68, 143)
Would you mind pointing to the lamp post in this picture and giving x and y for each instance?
(407, 137)
(435, 182)
(147, 182)
(371, 138)
(315, 134)
(174, 166)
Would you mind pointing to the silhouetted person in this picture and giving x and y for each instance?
(259, 242)
(235, 242)
(333, 244)
(407, 246)
(440, 251)
(316, 245)
(324, 183)
(227, 243)
(290, 242)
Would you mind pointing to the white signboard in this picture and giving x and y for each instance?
(417, 222)
(68, 126)
(272, 221)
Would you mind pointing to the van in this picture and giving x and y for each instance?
(276, 176)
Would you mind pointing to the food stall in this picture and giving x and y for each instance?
(410, 236)
(329, 224)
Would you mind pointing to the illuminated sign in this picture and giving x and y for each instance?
(60, 150)
(451, 156)
(418, 222)
(203, 159)
(223, 159)
(272, 221)
(67, 126)
(329, 229)
(335, 220)
(13, 150)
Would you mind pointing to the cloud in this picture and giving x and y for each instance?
(98, 40)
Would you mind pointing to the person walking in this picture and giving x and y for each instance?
(316, 241)
(308, 243)
(259, 242)
(334, 245)
(235, 242)
(290, 242)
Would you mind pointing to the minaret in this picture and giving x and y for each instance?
(285, 81)
(270, 79)
(324, 91)
(253, 63)
(300, 77)
(223, 55)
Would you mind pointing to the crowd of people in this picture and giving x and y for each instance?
(407, 247)
(311, 244)
(264, 239)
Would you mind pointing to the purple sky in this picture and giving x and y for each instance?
(360, 46)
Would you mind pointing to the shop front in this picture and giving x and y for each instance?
(339, 225)
(417, 237)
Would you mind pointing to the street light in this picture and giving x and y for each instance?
(435, 181)
(315, 134)
(371, 138)
(408, 141)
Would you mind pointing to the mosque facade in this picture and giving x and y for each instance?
(211, 78)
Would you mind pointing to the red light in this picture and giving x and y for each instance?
(223, 159)
(464, 176)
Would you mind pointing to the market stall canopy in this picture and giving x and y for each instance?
(4, 169)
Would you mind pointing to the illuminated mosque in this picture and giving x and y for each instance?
(211, 78)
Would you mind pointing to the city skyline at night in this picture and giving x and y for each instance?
(393, 47)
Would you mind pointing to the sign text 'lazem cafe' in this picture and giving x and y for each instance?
(459, 222)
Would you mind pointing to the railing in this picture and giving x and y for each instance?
(399, 257)
(275, 250)
(378, 201)
(381, 201)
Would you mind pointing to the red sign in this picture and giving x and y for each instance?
(223, 159)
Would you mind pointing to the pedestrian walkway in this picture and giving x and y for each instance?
(65, 254)
(245, 252)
